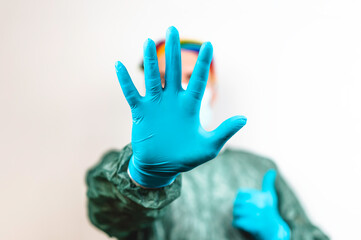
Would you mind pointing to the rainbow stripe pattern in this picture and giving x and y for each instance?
(190, 45)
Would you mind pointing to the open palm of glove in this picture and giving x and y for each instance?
(256, 211)
(167, 137)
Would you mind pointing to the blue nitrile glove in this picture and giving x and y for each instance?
(167, 137)
(256, 211)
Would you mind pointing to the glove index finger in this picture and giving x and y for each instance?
(129, 90)
(198, 81)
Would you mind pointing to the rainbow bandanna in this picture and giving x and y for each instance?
(190, 45)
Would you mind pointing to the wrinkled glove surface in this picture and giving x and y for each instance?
(167, 137)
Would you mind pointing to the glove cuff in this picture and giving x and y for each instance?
(147, 180)
(283, 231)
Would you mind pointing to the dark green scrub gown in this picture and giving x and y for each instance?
(197, 205)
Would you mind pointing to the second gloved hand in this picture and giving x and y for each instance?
(256, 211)
(167, 137)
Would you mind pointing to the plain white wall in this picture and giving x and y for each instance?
(293, 68)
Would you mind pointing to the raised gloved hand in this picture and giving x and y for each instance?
(167, 137)
(256, 211)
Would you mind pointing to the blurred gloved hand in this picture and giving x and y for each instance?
(167, 137)
(256, 211)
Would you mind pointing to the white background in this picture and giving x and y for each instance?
(293, 68)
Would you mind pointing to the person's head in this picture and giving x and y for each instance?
(189, 54)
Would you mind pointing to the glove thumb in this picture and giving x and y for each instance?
(227, 129)
(268, 183)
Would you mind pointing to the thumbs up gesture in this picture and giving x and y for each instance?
(256, 211)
